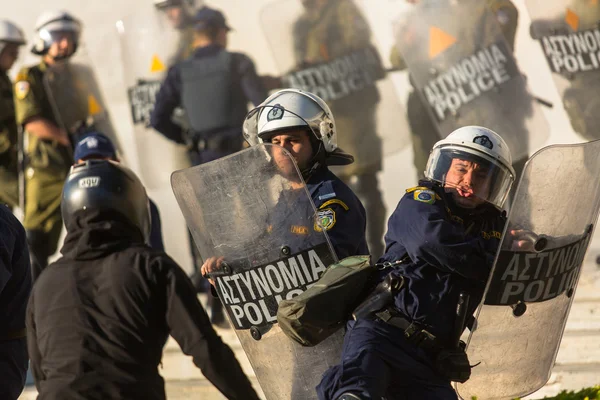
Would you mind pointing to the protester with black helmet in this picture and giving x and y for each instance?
(98, 318)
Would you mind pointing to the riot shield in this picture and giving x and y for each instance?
(148, 44)
(569, 36)
(465, 72)
(75, 97)
(329, 50)
(253, 209)
(520, 323)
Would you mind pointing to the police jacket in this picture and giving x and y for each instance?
(339, 212)
(98, 319)
(15, 276)
(447, 249)
(214, 87)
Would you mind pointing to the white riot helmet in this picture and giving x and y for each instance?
(53, 23)
(290, 109)
(10, 33)
(482, 146)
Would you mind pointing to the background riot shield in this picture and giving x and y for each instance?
(466, 74)
(75, 97)
(148, 44)
(331, 52)
(530, 291)
(569, 36)
(244, 209)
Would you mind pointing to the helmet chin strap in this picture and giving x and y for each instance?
(316, 162)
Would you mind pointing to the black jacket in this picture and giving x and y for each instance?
(99, 317)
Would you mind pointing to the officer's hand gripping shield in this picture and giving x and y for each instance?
(331, 52)
(148, 48)
(253, 209)
(465, 72)
(569, 36)
(75, 97)
(522, 317)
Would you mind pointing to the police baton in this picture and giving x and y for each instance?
(461, 318)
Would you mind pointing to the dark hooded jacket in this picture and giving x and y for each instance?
(98, 318)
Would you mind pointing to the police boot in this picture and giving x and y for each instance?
(366, 187)
(39, 251)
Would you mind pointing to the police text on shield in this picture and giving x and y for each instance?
(468, 79)
(573, 53)
(141, 100)
(536, 277)
(340, 77)
(251, 296)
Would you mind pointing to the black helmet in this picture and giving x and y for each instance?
(106, 186)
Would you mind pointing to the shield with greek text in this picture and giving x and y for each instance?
(569, 36)
(329, 49)
(76, 98)
(464, 70)
(148, 46)
(520, 323)
(253, 209)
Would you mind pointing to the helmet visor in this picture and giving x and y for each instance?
(470, 176)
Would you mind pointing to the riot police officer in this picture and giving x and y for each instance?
(441, 243)
(120, 301)
(11, 39)
(302, 123)
(213, 87)
(15, 287)
(328, 29)
(181, 16)
(48, 150)
(423, 127)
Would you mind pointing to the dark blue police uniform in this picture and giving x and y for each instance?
(339, 211)
(15, 287)
(214, 87)
(447, 250)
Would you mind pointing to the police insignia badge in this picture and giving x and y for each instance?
(21, 89)
(484, 141)
(424, 196)
(325, 220)
(275, 113)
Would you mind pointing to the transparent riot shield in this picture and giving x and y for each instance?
(465, 72)
(253, 209)
(569, 36)
(148, 45)
(329, 50)
(521, 321)
(75, 97)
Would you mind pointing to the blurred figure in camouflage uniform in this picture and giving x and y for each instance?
(423, 128)
(180, 14)
(11, 39)
(330, 29)
(580, 99)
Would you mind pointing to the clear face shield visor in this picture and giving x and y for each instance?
(472, 177)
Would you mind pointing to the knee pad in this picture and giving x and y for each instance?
(349, 396)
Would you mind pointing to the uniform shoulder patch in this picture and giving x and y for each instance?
(325, 220)
(424, 196)
(22, 89)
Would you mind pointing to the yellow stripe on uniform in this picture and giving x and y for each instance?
(334, 201)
